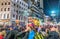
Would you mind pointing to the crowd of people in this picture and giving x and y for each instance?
(29, 32)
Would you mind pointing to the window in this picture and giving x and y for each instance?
(0, 15)
(5, 3)
(19, 17)
(5, 9)
(2, 4)
(17, 11)
(20, 2)
(24, 4)
(7, 15)
(4, 16)
(14, 4)
(8, 9)
(8, 3)
(16, 0)
(14, 10)
(13, 16)
(1, 9)
(22, 8)
(16, 16)
(26, 9)
(17, 6)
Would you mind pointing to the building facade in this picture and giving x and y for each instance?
(37, 8)
(11, 11)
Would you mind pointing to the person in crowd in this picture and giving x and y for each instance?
(12, 33)
(53, 34)
(39, 28)
(30, 28)
(43, 31)
(1, 35)
(30, 31)
(4, 33)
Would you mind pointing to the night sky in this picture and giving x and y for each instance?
(50, 5)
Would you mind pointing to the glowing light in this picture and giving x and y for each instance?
(53, 14)
(52, 11)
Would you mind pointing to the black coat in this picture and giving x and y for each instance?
(53, 35)
(12, 34)
(22, 35)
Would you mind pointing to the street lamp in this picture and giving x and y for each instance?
(53, 14)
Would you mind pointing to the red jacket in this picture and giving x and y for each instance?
(1, 37)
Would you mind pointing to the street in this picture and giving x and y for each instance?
(29, 19)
